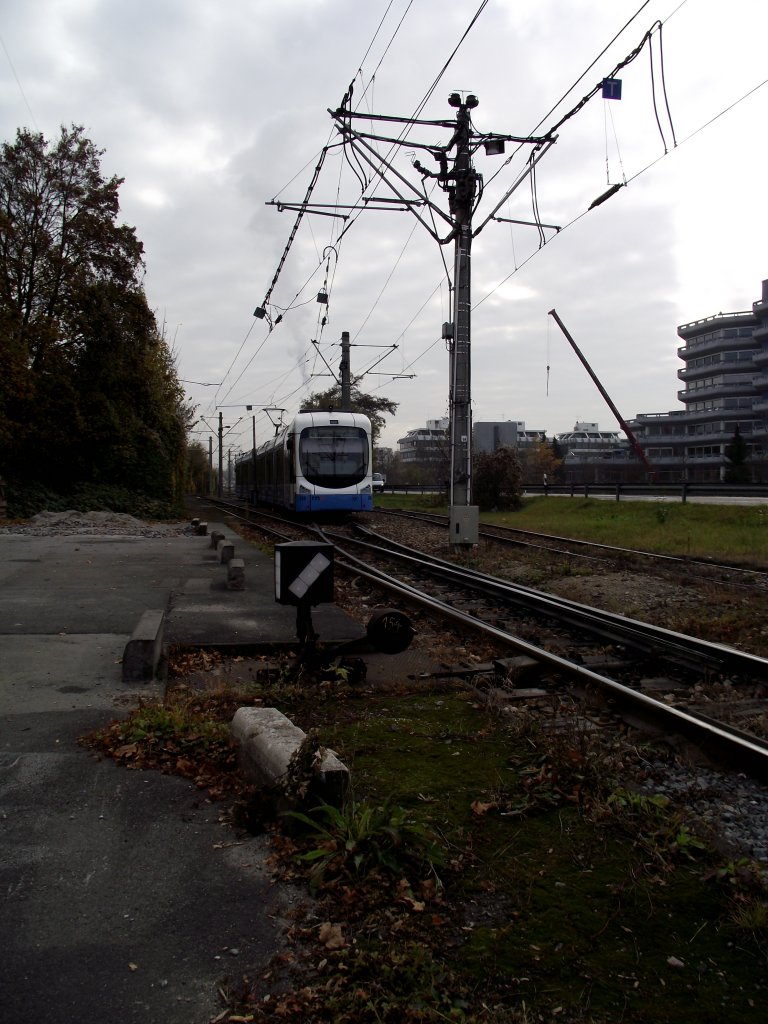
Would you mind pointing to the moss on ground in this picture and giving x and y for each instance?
(559, 894)
(579, 908)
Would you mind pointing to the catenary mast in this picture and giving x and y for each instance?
(461, 194)
(457, 177)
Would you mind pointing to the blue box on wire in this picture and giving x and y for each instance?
(304, 572)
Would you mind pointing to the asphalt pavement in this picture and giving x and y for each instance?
(124, 898)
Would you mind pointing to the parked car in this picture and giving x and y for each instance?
(377, 482)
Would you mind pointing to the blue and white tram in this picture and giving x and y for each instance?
(321, 462)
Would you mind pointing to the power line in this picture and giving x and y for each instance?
(261, 311)
(18, 82)
(387, 48)
(571, 88)
(637, 174)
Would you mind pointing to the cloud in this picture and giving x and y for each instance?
(210, 110)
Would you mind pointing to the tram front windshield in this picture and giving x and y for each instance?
(333, 456)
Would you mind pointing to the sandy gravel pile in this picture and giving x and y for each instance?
(112, 524)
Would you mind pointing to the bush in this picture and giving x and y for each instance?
(27, 499)
(497, 480)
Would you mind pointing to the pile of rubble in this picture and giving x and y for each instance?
(111, 524)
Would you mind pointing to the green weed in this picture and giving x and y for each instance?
(750, 915)
(360, 837)
(638, 803)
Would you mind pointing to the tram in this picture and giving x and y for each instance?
(320, 462)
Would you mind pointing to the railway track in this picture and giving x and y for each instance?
(596, 553)
(577, 646)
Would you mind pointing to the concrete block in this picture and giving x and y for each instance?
(143, 651)
(215, 538)
(201, 529)
(226, 549)
(236, 574)
(514, 670)
(268, 740)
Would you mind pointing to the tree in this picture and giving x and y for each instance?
(558, 454)
(91, 392)
(737, 454)
(58, 231)
(370, 405)
(197, 468)
(497, 479)
(537, 460)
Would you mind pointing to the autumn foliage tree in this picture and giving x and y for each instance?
(539, 460)
(89, 392)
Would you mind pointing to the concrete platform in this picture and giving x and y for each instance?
(92, 584)
(124, 898)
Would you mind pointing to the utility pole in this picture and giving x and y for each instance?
(210, 467)
(346, 389)
(464, 517)
(220, 485)
(253, 458)
(461, 182)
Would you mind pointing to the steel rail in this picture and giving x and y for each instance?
(610, 549)
(734, 747)
(647, 636)
(725, 742)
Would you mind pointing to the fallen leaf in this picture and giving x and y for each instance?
(428, 889)
(330, 935)
(127, 750)
(479, 808)
(133, 967)
(417, 905)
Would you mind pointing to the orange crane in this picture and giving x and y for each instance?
(634, 443)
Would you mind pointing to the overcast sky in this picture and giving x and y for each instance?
(210, 108)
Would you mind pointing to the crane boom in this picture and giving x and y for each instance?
(634, 443)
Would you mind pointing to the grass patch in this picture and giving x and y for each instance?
(488, 867)
(414, 502)
(562, 894)
(727, 532)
